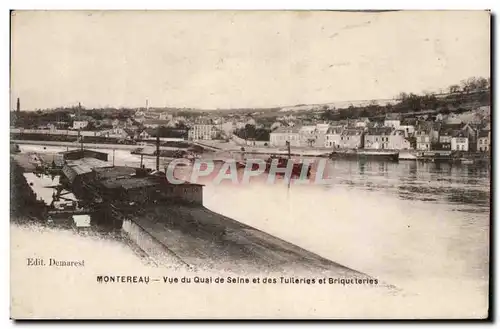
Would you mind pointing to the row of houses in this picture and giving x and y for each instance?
(454, 137)
(393, 136)
(340, 137)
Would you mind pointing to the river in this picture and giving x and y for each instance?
(421, 226)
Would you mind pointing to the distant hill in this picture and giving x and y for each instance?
(337, 105)
(289, 108)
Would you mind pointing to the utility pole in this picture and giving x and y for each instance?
(113, 157)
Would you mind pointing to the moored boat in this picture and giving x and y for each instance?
(383, 155)
(466, 161)
(379, 155)
(282, 162)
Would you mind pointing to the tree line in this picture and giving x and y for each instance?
(475, 90)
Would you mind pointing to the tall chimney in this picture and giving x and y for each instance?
(18, 107)
(147, 105)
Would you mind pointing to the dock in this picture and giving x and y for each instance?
(203, 239)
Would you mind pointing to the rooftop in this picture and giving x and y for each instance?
(484, 133)
(80, 154)
(156, 122)
(352, 132)
(114, 172)
(86, 165)
(286, 130)
(129, 183)
(459, 133)
(379, 131)
(335, 130)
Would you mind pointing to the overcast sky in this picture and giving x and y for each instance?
(240, 59)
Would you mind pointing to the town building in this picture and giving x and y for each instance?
(203, 132)
(80, 124)
(155, 123)
(460, 141)
(408, 126)
(445, 136)
(166, 116)
(392, 120)
(143, 135)
(139, 186)
(377, 138)
(441, 146)
(423, 138)
(362, 123)
(471, 130)
(307, 135)
(187, 192)
(484, 141)
(77, 174)
(120, 133)
(398, 140)
(332, 137)
(352, 138)
(280, 136)
(320, 134)
(439, 117)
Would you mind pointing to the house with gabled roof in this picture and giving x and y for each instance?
(352, 138)
(460, 141)
(332, 137)
(377, 138)
(484, 141)
(280, 136)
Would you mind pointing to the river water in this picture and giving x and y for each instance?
(412, 224)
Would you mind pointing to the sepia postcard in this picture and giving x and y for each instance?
(250, 164)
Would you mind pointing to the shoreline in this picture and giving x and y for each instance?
(357, 154)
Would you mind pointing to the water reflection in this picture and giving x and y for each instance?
(65, 211)
(429, 182)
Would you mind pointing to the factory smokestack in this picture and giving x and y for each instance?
(18, 106)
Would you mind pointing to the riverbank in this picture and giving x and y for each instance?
(230, 149)
(74, 145)
(203, 239)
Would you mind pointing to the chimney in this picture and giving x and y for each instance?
(18, 107)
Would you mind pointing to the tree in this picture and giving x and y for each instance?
(402, 97)
(482, 83)
(454, 89)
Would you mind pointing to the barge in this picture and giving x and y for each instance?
(382, 155)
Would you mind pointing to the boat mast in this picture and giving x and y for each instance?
(158, 149)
